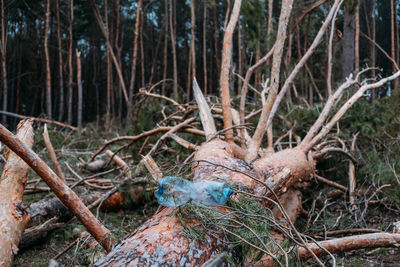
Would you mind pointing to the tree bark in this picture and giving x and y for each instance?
(13, 216)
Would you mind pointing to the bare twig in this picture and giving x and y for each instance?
(23, 117)
(145, 134)
(360, 92)
(331, 183)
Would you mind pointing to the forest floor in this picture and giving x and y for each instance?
(126, 221)
(73, 149)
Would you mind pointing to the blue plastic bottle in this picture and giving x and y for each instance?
(175, 191)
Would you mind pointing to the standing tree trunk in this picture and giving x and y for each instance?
(60, 63)
(47, 59)
(19, 70)
(372, 44)
(357, 39)
(79, 83)
(269, 27)
(225, 69)
(13, 216)
(3, 61)
(216, 39)
(392, 38)
(142, 56)
(134, 60)
(70, 67)
(109, 73)
(173, 40)
(239, 36)
(205, 48)
(348, 40)
(192, 40)
(165, 55)
(106, 33)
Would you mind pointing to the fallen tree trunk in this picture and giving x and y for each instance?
(13, 216)
(46, 209)
(162, 239)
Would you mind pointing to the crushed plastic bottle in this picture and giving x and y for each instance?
(175, 191)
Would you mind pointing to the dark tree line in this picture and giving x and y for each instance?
(78, 61)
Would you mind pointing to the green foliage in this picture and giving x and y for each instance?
(244, 222)
(254, 21)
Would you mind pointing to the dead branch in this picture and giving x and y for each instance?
(243, 91)
(376, 240)
(48, 208)
(303, 60)
(183, 142)
(346, 231)
(307, 11)
(328, 106)
(34, 235)
(255, 143)
(225, 69)
(96, 165)
(13, 216)
(23, 117)
(66, 195)
(327, 150)
(207, 119)
(120, 162)
(381, 49)
(148, 93)
(360, 92)
(52, 154)
(352, 175)
(174, 129)
(152, 167)
(331, 183)
(145, 134)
